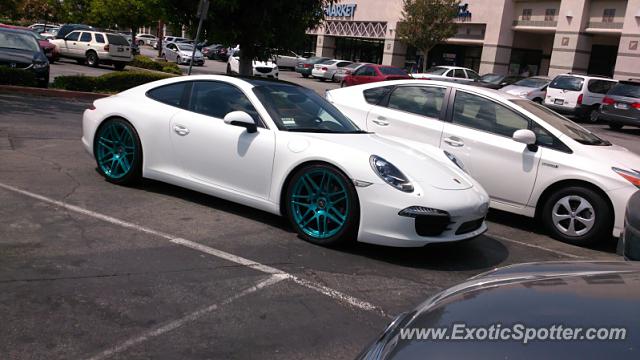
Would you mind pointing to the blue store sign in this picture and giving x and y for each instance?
(340, 10)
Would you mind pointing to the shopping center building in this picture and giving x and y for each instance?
(537, 37)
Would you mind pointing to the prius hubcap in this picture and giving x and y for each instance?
(573, 215)
(115, 150)
(320, 203)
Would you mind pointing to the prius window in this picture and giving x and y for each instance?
(217, 99)
(419, 100)
(483, 114)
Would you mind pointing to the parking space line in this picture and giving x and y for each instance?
(272, 280)
(534, 246)
(332, 293)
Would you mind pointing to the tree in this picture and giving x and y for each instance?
(75, 11)
(36, 10)
(426, 23)
(257, 27)
(124, 13)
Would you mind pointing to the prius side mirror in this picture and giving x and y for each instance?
(242, 119)
(527, 137)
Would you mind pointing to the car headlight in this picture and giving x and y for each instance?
(40, 65)
(631, 176)
(455, 160)
(390, 174)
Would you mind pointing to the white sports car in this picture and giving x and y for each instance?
(531, 160)
(282, 148)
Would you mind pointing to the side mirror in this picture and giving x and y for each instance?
(242, 119)
(524, 136)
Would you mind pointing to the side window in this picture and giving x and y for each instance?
(600, 86)
(366, 71)
(99, 38)
(472, 75)
(425, 101)
(74, 36)
(449, 73)
(459, 73)
(343, 64)
(169, 94)
(483, 114)
(375, 95)
(217, 99)
(86, 37)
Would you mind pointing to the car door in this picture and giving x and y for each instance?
(220, 154)
(171, 52)
(69, 44)
(479, 132)
(410, 111)
(364, 75)
(83, 44)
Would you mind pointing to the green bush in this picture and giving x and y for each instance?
(172, 69)
(107, 83)
(19, 77)
(146, 62)
(75, 83)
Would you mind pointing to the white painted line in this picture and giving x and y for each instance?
(273, 279)
(332, 293)
(534, 246)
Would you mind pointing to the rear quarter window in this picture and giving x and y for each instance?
(600, 86)
(373, 96)
(172, 94)
(570, 83)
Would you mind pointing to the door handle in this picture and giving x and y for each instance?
(381, 120)
(180, 130)
(454, 141)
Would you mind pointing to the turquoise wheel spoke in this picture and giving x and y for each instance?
(313, 201)
(115, 150)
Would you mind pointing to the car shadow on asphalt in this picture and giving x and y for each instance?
(480, 253)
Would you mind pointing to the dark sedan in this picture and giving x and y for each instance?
(568, 310)
(496, 81)
(49, 49)
(19, 49)
(621, 105)
(304, 67)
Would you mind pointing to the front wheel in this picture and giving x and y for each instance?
(322, 205)
(92, 59)
(118, 152)
(577, 215)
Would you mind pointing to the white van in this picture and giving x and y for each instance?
(578, 95)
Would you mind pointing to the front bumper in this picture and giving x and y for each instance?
(381, 223)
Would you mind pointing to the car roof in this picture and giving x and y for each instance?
(598, 77)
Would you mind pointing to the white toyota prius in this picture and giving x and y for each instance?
(530, 160)
(282, 148)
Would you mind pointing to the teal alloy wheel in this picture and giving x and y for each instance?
(117, 151)
(321, 204)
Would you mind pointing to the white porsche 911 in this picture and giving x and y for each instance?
(282, 148)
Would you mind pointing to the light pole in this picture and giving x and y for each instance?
(203, 8)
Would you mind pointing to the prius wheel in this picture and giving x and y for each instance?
(92, 59)
(322, 205)
(118, 152)
(578, 216)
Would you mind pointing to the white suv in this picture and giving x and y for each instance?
(95, 48)
(267, 69)
(578, 95)
(448, 73)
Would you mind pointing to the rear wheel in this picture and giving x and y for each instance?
(92, 59)
(305, 75)
(119, 66)
(577, 215)
(594, 115)
(322, 205)
(118, 152)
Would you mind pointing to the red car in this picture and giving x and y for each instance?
(49, 49)
(372, 73)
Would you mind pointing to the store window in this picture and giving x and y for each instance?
(526, 14)
(359, 50)
(550, 15)
(608, 15)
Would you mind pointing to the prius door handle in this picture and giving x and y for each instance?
(381, 120)
(180, 130)
(454, 141)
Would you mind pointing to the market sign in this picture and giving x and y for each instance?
(340, 10)
(463, 12)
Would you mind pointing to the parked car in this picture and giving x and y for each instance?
(50, 34)
(533, 88)
(544, 310)
(288, 59)
(223, 53)
(166, 40)
(41, 27)
(496, 81)
(327, 69)
(267, 69)
(374, 73)
(630, 239)
(145, 39)
(531, 160)
(343, 72)
(95, 48)
(333, 181)
(67, 28)
(621, 105)
(48, 48)
(448, 73)
(578, 95)
(19, 49)
(181, 54)
(211, 51)
(304, 67)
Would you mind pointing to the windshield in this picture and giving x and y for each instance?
(437, 70)
(532, 82)
(18, 40)
(388, 70)
(561, 123)
(188, 47)
(571, 83)
(295, 108)
(626, 89)
(491, 78)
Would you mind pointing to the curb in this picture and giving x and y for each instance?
(79, 95)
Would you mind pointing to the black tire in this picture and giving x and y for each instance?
(593, 115)
(305, 76)
(349, 230)
(600, 211)
(92, 59)
(119, 66)
(537, 100)
(135, 172)
(615, 126)
(140, 42)
(321, 79)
